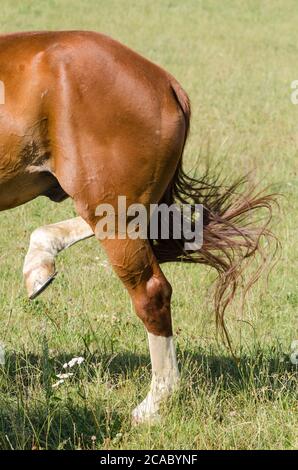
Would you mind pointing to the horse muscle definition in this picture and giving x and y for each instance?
(87, 118)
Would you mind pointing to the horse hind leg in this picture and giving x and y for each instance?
(45, 243)
(138, 269)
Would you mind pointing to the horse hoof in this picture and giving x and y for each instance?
(37, 281)
(140, 416)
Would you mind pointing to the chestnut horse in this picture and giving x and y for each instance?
(87, 118)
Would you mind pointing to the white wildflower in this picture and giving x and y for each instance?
(64, 376)
(73, 362)
(59, 382)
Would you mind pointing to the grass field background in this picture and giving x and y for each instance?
(236, 59)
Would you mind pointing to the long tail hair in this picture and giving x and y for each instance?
(232, 231)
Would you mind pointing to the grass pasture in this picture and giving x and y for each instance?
(237, 60)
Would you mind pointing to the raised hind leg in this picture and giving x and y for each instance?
(138, 269)
(45, 243)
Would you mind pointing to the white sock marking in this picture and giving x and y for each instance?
(45, 243)
(165, 376)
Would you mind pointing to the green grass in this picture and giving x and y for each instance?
(237, 60)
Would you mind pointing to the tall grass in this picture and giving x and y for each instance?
(237, 60)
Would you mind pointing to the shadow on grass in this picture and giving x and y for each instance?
(264, 369)
(47, 421)
(57, 425)
(52, 422)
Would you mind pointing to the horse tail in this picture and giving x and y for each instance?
(233, 231)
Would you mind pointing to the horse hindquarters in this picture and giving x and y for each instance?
(127, 143)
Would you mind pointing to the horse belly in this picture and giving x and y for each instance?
(24, 187)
